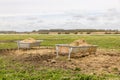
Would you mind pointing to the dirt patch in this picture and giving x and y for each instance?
(102, 62)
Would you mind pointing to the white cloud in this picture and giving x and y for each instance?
(98, 14)
(100, 20)
(19, 7)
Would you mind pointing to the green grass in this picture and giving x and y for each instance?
(14, 70)
(103, 41)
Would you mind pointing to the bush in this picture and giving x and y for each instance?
(75, 32)
(107, 32)
(59, 32)
(67, 33)
(88, 33)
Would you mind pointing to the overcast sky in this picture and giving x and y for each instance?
(28, 15)
(29, 7)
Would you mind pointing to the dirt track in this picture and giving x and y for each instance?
(104, 61)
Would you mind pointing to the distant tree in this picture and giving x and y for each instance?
(107, 32)
(75, 32)
(59, 32)
(43, 32)
(88, 32)
(34, 31)
(67, 32)
(81, 32)
(116, 32)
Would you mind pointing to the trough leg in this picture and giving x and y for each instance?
(70, 51)
(18, 47)
(57, 50)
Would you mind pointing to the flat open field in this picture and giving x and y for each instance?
(103, 41)
(42, 64)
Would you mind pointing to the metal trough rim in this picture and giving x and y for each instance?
(67, 45)
(29, 42)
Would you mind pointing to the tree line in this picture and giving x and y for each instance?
(63, 31)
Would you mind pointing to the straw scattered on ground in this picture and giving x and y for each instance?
(102, 62)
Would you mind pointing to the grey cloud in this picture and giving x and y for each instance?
(99, 20)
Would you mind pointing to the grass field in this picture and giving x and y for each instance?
(13, 69)
(103, 41)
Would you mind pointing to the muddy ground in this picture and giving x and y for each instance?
(104, 61)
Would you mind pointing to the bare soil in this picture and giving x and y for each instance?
(104, 61)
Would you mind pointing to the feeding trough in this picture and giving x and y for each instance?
(78, 46)
(28, 43)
